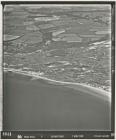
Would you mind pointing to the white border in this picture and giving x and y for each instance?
(1, 53)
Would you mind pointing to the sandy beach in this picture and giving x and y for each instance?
(39, 105)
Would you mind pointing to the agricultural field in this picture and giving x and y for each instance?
(65, 43)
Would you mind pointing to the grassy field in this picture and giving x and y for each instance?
(48, 35)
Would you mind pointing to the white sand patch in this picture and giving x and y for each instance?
(86, 89)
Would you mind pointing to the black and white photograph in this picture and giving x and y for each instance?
(58, 69)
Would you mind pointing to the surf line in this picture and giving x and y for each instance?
(76, 86)
(81, 87)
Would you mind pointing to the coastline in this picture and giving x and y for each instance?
(52, 106)
(76, 86)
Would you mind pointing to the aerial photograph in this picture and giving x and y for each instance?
(57, 67)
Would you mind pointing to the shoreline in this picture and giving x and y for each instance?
(76, 86)
(50, 106)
